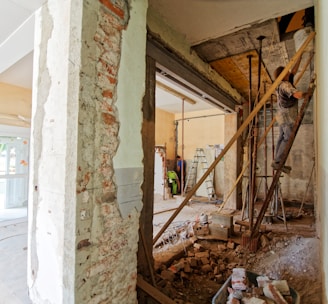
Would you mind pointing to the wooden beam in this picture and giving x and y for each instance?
(153, 292)
(148, 144)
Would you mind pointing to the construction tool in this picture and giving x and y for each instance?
(200, 160)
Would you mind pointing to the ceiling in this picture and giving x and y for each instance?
(231, 35)
(224, 33)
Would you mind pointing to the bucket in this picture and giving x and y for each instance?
(203, 219)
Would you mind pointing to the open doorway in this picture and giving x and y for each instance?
(14, 156)
(189, 126)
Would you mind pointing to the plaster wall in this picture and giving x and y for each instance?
(15, 105)
(299, 185)
(202, 129)
(82, 243)
(165, 132)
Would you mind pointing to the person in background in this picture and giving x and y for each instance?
(181, 171)
(173, 182)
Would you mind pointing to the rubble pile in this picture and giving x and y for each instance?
(206, 266)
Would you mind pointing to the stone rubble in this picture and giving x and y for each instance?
(213, 266)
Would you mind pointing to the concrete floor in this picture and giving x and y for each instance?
(13, 240)
(13, 243)
(13, 251)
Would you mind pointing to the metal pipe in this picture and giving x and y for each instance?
(182, 151)
(254, 148)
(203, 116)
(265, 149)
(250, 137)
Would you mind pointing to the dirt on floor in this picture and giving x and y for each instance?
(193, 269)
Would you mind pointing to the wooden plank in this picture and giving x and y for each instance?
(236, 72)
(153, 292)
(148, 144)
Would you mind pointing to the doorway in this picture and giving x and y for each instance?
(14, 154)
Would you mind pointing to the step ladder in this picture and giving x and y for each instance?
(200, 160)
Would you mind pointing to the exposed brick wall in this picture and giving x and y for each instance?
(106, 243)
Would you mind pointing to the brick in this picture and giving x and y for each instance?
(193, 263)
(206, 268)
(204, 254)
(116, 10)
(186, 267)
(231, 245)
(201, 230)
(222, 247)
(168, 275)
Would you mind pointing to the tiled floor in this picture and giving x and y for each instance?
(13, 251)
(12, 214)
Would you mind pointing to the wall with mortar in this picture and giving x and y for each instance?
(299, 185)
(15, 105)
(86, 158)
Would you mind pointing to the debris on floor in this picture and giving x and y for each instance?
(204, 267)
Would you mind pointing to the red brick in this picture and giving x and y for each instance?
(117, 11)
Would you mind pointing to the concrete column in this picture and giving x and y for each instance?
(321, 110)
(83, 244)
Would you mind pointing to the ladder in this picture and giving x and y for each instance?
(276, 176)
(200, 159)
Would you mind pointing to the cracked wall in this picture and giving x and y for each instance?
(86, 112)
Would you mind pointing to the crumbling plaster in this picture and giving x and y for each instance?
(82, 248)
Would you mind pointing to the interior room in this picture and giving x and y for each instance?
(100, 104)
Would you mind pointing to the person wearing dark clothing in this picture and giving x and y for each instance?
(181, 170)
(287, 111)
